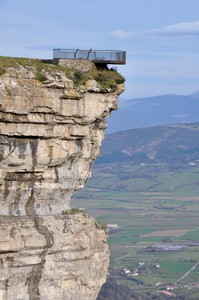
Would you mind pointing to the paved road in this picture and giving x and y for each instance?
(187, 273)
(125, 255)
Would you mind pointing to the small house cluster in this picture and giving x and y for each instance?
(141, 269)
(169, 247)
(129, 273)
(111, 226)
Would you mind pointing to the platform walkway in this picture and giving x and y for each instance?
(96, 56)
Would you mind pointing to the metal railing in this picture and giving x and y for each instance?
(97, 56)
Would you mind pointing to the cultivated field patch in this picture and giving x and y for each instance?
(191, 235)
(147, 218)
(164, 233)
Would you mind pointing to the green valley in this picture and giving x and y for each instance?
(153, 204)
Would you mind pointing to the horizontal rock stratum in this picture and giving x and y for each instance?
(52, 122)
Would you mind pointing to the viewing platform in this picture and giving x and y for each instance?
(115, 57)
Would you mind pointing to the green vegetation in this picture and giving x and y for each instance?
(178, 267)
(40, 77)
(147, 211)
(116, 156)
(38, 64)
(191, 235)
(112, 291)
(105, 77)
(108, 78)
(153, 202)
(170, 144)
(73, 211)
(102, 227)
(80, 77)
(2, 71)
(15, 61)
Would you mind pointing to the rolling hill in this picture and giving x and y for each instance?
(173, 144)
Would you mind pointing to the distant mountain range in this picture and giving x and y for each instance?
(152, 111)
(171, 144)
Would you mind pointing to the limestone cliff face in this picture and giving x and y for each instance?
(50, 134)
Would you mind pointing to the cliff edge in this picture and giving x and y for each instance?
(52, 121)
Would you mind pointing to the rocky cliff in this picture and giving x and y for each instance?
(52, 122)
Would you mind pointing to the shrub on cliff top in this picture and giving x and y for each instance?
(2, 71)
(108, 78)
(80, 77)
(40, 77)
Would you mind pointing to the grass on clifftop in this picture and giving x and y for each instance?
(38, 64)
(108, 78)
(105, 77)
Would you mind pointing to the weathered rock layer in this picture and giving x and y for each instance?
(50, 134)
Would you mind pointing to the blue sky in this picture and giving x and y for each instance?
(161, 37)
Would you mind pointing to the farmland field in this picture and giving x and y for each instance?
(152, 194)
(163, 211)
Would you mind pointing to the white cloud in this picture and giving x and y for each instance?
(180, 29)
(120, 34)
